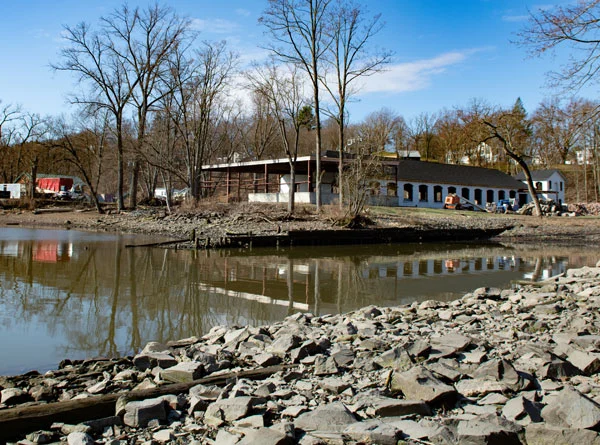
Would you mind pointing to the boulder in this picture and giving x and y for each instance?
(333, 417)
(420, 384)
(230, 409)
(522, 411)
(78, 438)
(13, 396)
(488, 429)
(571, 409)
(151, 360)
(543, 434)
(373, 431)
(138, 414)
(183, 372)
(390, 407)
(588, 363)
(266, 436)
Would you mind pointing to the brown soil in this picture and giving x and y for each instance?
(235, 219)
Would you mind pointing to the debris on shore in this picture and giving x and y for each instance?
(507, 366)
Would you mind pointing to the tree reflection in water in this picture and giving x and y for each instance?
(100, 298)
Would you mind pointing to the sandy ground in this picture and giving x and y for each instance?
(226, 220)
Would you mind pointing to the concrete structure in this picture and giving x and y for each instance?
(409, 183)
(550, 184)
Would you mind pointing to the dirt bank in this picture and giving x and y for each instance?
(218, 221)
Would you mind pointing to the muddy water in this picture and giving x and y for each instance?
(69, 294)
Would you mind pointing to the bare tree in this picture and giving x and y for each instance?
(144, 39)
(198, 100)
(298, 28)
(575, 28)
(84, 147)
(512, 130)
(378, 128)
(424, 133)
(10, 166)
(349, 58)
(94, 59)
(289, 105)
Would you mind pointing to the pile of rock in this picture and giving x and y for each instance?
(549, 208)
(582, 209)
(497, 366)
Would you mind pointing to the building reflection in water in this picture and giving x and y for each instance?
(82, 296)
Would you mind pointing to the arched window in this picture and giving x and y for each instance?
(466, 193)
(451, 190)
(501, 195)
(437, 193)
(408, 192)
(538, 185)
(512, 194)
(478, 196)
(423, 192)
(489, 196)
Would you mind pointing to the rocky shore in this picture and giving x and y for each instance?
(498, 366)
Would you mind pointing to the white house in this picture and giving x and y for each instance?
(550, 184)
(12, 191)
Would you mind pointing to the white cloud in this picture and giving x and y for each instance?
(217, 26)
(514, 18)
(242, 12)
(412, 76)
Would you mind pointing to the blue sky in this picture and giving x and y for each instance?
(445, 52)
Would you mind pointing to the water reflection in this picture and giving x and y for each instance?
(73, 294)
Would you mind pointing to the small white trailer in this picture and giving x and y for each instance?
(12, 191)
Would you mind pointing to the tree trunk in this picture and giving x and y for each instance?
(292, 189)
(120, 161)
(133, 184)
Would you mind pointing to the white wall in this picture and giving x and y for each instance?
(16, 190)
(552, 187)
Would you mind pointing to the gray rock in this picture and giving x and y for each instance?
(343, 358)
(373, 431)
(13, 396)
(333, 385)
(571, 409)
(325, 366)
(449, 344)
(333, 417)
(543, 434)
(138, 414)
(522, 411)
(480, 387)
(397, 358)
(40, 437)
(284, 344)
(226, 438)
(556, 370)
(153, 359)
(79, 439)
(266, 359)
(587, 363)
(183, 372)
(488, 429)
(230, 409)
(420, 384)
(266, 436)
(390, 407)
(163, 436)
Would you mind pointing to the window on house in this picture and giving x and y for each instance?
(489, 196)
(392, 189)
(423, 191)
(561, 186)
(501, 195)
(478, 196)
(538, 186)
(466, 193)
(451, 190)
(549, 185)
(437, 193)
(512, 194)
(408, 192)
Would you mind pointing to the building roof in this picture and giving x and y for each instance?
(431, 172)
(539, 175)
(76, 179)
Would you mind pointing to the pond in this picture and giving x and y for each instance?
(70, 294)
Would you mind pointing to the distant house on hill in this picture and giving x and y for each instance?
(549, 184)
(49, 183)
(409, 183)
